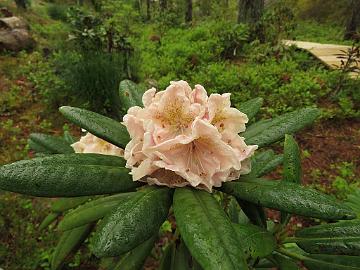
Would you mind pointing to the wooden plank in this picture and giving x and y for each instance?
(326, 53)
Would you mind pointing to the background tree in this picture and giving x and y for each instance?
(189, 11)
(21, 3)
(354, 19)
(163, 5)
(148, 10)
(250, 11)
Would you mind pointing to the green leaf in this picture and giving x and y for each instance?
(256, 128)
(263, 163)
(182, 258)
(50, 218)
(332, 262)
(166, 258)
(69, 242)
(130, 94)
(70, 175)
(292, 162)
(255, 241)
(92, 211)
(292, 167)
(43, 143)
(251, 107)
(285, 263)
(264, 264)
(64, 204)
(353, 201)
(254, 212)
(272, 131)
(288, 197)
(97, 124)
(67, 137)
(207, 231)
(335, 238)
(132, 222)
(134, 259)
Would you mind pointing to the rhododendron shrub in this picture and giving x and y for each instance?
(184, 162)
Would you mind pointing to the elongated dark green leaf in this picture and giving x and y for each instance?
(92, 211)
(182, 258)
(43, 143)
(97, 124)
(255, 241)
(67, 137)
(263, 163)
(132, 222)
(353, 201)
(70, 175)
(292, 167)
(335, 238)
(275, 130)
(292, 163)
(264, 264)
(166, 258)
(332, 262)
(251, 107)
(289, 197)
(254, 213)
(207, 231)
(130, 94)
(64, 204)
(134, 259)
(233, 210)
(285, 263)
(50, 218)
(69, 242)
(256, 128)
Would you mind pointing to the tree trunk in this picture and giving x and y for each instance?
(189, 10)
(250, 11)
(354, 20)
(163, 5)
(148, 10)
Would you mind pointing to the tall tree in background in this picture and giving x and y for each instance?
(21, 4)
(250, 11)
(163, 5)
(189, 11)
(148, 10)
(354, 19)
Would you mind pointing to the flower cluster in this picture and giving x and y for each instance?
(183, 137)
(92, 144)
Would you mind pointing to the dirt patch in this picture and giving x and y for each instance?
(328, 143)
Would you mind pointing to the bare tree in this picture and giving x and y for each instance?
(250, 11)
(189, 11)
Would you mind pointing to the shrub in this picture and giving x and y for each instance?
(92, 79)
(57, 11)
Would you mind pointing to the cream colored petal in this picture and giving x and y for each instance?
(148, 96)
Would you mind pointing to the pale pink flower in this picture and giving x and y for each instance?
(92, 144)
(183, 137)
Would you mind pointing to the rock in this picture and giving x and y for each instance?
(16, 40)
(14, 35)
(13, 23)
